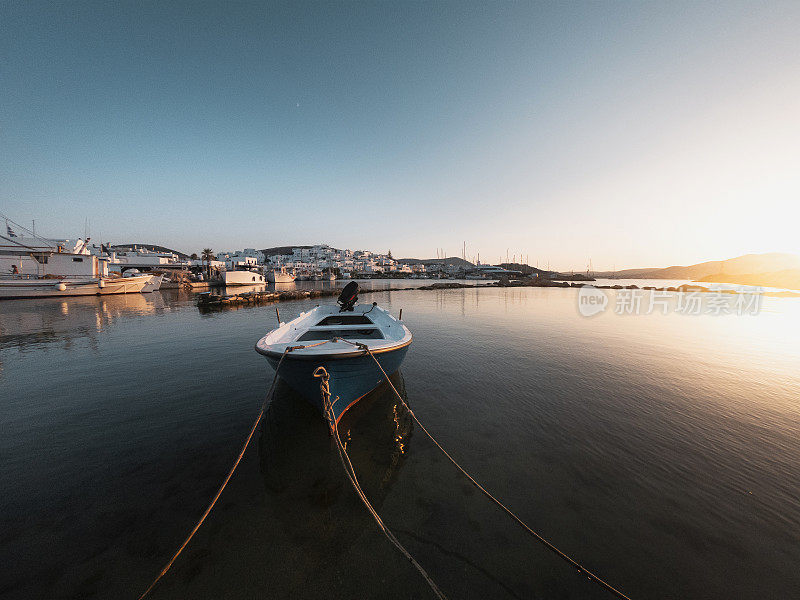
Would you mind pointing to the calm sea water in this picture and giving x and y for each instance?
(662, 451)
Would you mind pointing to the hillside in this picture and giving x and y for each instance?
(787, 279)
(281, 250)
(453, 260)
(150, 247)
(742, 265)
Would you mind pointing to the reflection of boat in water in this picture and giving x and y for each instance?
(302, 471)
(46, 321)
(328, 336)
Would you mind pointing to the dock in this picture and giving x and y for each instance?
(211, 300)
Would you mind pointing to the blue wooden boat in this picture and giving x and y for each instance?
(317, 338)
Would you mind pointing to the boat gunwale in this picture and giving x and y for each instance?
(275, 350)
(336, 355)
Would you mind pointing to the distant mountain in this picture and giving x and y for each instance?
(786, 279)
(749, 264)
(452, 260)
(150, 247)
(528, 270)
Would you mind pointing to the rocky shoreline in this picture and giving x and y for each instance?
(211, 301)
(685, 288)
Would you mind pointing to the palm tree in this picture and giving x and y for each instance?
(208, 256)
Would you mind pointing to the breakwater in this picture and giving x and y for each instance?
(210, 300)
(214, 301)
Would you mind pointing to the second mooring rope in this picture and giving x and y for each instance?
(324, 387)
(548, 544)
(347, 465)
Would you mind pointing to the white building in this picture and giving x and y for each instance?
(240, 261)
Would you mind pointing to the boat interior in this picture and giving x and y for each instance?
(342, 326)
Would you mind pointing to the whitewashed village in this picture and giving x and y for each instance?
(299, 259)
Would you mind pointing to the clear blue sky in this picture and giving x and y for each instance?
(635, 133)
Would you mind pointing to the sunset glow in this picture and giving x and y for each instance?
(630, 134)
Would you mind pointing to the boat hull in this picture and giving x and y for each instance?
(49, 288)
(153, 285)
(243, 278)
(273, 277)
(351, 377)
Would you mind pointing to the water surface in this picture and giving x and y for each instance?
(661, 450)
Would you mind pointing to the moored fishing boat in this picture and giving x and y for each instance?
(36, 267)
(242, 277)
(71, 286)
(336, 338)
(279, 276)
(153, 284)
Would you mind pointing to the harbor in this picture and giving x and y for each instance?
(428, 300)
(344, 358)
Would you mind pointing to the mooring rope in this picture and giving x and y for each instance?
(350, 471)
(548, 544)
(227, 479)
(347, 465)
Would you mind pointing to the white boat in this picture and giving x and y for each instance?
(153, 284)
(34, 267)
(242, 277)
(279, 276)
(315, 339)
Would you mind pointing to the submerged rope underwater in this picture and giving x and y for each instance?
(347, 465)
(522, 523)
(350, 471)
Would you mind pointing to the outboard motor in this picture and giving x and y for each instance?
(348, 297)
